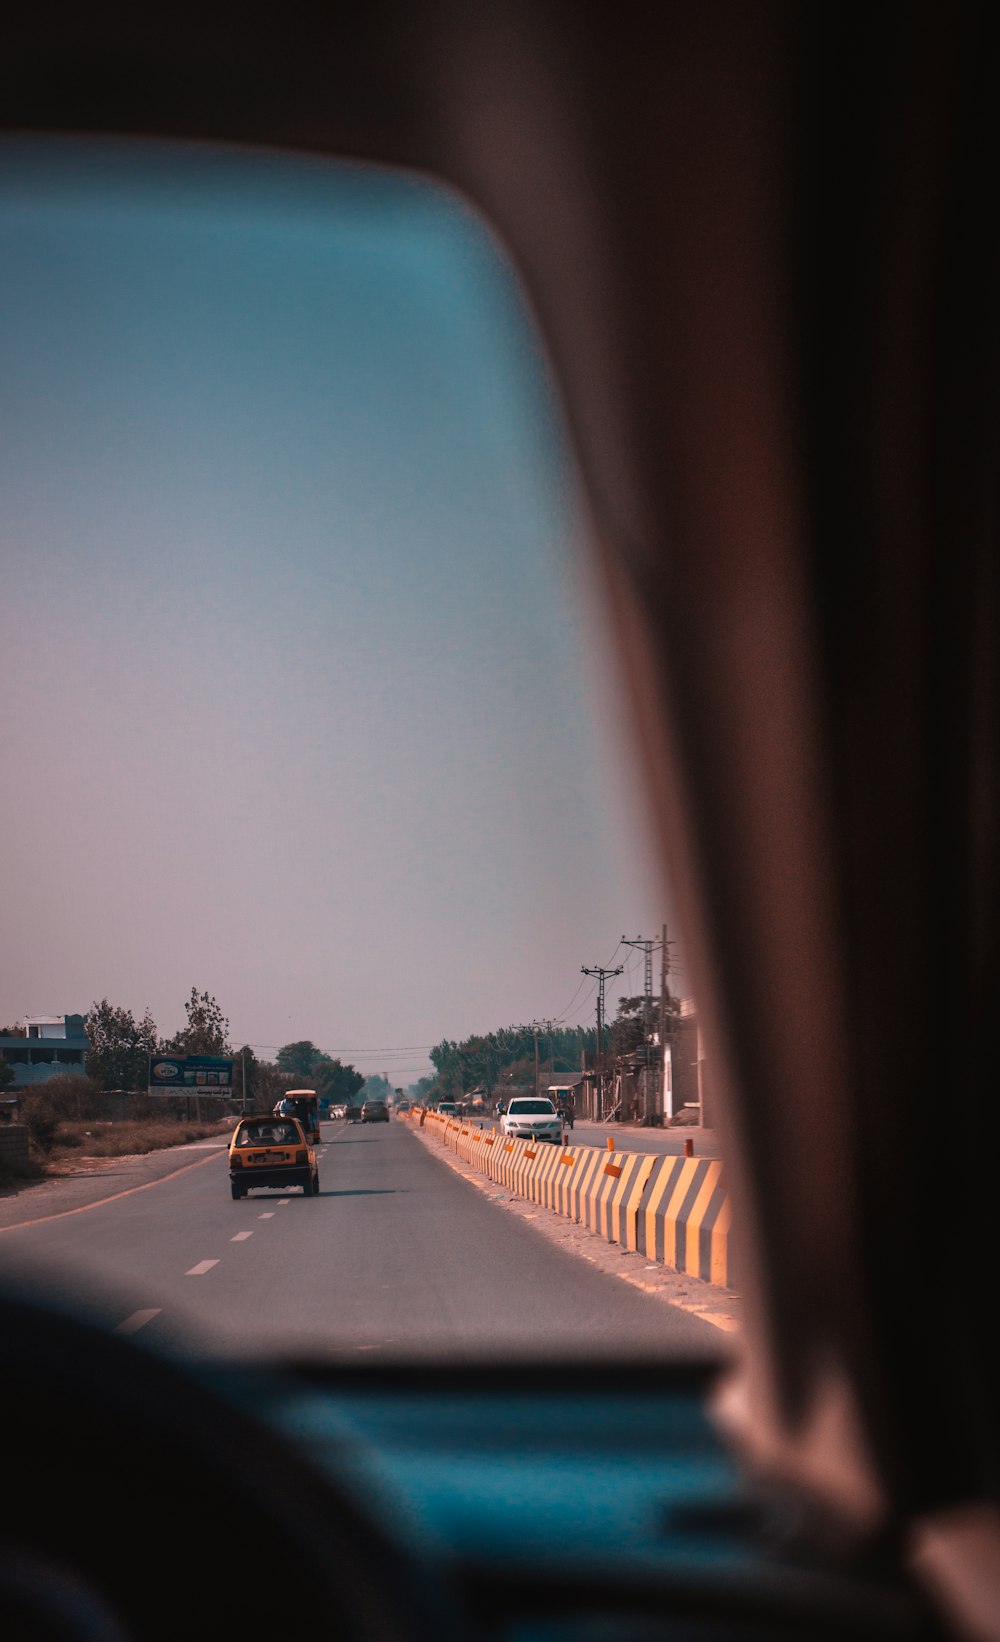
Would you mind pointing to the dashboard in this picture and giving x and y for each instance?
(553, 1502)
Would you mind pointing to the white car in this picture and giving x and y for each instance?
(532, 1117)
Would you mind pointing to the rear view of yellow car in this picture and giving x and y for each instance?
(272, 1151)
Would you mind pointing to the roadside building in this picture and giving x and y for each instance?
(691, 1086)
(52, 1046)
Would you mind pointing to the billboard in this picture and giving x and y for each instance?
(190, 1075)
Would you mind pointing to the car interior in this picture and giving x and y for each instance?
(760, 244)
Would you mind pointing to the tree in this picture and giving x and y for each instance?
(448, 1062)
(207, 1029)
(120, 1046)
(245, 1066)
(300, 1059)
(504, 1060)
(7, 1073)
(268, 1085)
(627, 1031)
(336, 1083)
(376, 1087)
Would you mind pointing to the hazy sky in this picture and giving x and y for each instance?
(301, 694)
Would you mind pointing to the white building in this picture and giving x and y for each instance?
(52, 1046)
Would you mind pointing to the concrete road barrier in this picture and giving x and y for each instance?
(674, 1210)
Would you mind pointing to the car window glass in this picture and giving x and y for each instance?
(303, 664)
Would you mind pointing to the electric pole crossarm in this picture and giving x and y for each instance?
(602, 976)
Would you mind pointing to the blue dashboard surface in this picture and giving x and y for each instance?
(615, 1502)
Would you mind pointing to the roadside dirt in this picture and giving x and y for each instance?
(86, 1181)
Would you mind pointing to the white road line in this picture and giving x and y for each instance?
(268, 1216)
(200, 1269)
(241, 1237)
(282, 1201)
(138, 1320)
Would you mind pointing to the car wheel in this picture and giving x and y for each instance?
(316, 1184)
(237, 1188)
(307, 1186)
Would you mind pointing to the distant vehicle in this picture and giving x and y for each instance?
(272, 1151)
(374, 1111)
(448, 1107)
(338, 1111)
(563, 1097)
(402, 1106)
(304, 1105)
(532, 1117)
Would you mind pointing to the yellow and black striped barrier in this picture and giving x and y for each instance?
(674, 1210)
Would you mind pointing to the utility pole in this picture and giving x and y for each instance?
(665, 946)
(602, 975)
(646, 946)
(536, 1027)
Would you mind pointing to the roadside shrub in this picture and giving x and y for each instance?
(127, 1138)
(70, 1096)
(41, 1120)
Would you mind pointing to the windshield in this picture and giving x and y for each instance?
(268, 1134)
(312, 741)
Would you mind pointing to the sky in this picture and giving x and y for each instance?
(305, 695)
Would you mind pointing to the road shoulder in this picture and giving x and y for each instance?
(96, 1180)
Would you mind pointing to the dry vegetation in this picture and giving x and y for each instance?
(68, 1121)
(128, 1138)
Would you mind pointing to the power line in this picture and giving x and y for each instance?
(561, 1018)
(396, 1049)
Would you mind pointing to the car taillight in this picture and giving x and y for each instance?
(302, 1157)
(236, 1162)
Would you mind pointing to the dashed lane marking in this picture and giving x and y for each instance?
(241, 1237)
(138, 1320)
(200, 1269)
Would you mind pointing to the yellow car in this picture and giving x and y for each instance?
(272, 1151)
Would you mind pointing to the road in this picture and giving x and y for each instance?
(630, 1138)
(397, 1257)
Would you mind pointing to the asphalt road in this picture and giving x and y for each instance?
(632, 1137)
(397, 1257)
